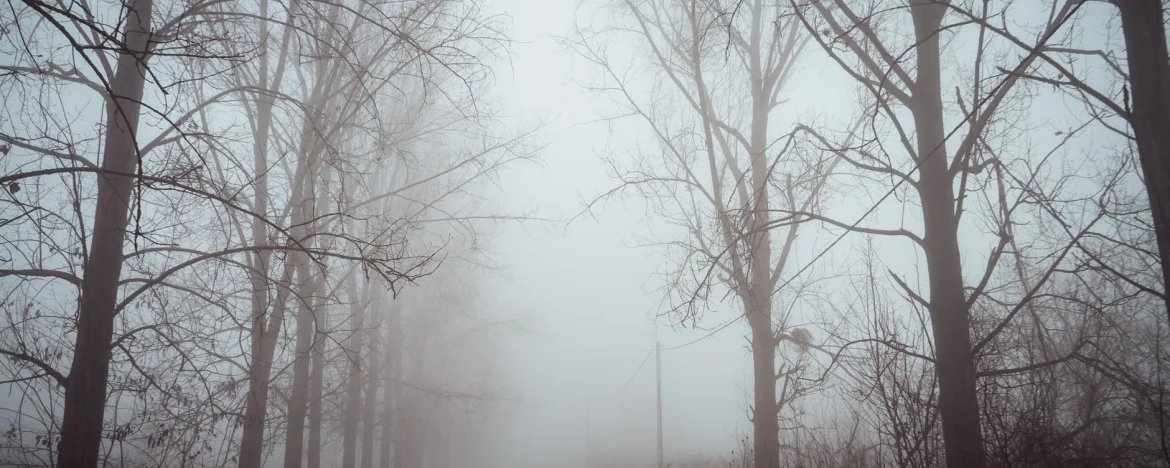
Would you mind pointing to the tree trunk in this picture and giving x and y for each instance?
(85, 389)
(353, 403)
(260, 368)
(321, 325)
(765, 418)
(414, 432)
(955, 366)
(759, 304)
(316, 387)
(251, 444)
(304, 211)
(259, 373)
(371, 399)
(408, 453)
(402, 428)
(294, 445)
(388, 387)
(1149, 78)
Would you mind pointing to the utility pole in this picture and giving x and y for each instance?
(658, 366)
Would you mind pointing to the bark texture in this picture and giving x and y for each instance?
(1149, 79)
(949, 314)
(85, 390)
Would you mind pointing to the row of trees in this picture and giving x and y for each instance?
(239, 231)
(1003, 177)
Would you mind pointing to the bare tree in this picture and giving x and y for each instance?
(203, 221)
(722, 174)
(852, 35)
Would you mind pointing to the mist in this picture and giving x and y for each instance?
(584, 233)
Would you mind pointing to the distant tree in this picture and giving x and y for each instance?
(165, 369)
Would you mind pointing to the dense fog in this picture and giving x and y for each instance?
(584, 233)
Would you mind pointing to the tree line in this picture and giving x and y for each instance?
(245, 231)
(966, 269)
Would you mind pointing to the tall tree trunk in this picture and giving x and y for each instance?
(353, 399)
(373, 368)
(402, 429)
(388, 371)
(759, 304)
(304, 213)
(321, 322)
(954, 366)
(260, 368)
(259, 373)
(251, 445)
(85, 389)
(1149, 78)
(387, 444)
(412, 426)
(414, 432)
(765, 417)
(316, 387)
(294, 445)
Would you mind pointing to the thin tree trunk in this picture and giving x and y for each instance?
(955, 366)
(316, 388)
(1149, 78)
(411, 427)
(353, 403)
(294, 445)
(259, 373)
(260, 368)
(402, 425)
(85, 390)
(305, 209)
(388, 371)
(373, 369)
(321, 321)
(387, 444)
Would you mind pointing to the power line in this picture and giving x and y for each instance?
(712, 333)
(631, 379)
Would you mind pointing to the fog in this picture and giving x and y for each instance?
(525, 233)
(590, 293)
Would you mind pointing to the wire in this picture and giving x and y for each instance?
(631, 379)
(713, 332)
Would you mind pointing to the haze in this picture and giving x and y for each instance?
(595, 233)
